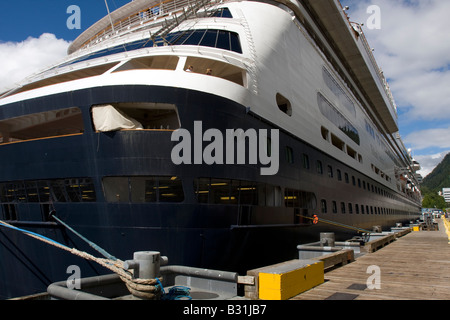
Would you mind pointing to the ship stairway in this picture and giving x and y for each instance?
(175, 20)
(250, 64)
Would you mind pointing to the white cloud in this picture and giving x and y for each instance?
(21, 59)
(412, 47)
(429, 162)
(423, 139)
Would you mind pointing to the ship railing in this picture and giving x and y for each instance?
(151, 15)
(379, 71)
(357, 27)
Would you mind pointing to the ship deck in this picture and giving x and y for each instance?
(414, 267)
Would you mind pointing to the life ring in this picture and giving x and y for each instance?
(316, 219)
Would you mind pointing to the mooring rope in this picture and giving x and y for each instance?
(316, 220)
(142, 288)
(92, 244)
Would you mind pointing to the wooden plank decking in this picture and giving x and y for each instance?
(414, 267)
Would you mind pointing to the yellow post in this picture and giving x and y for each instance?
(279, 284)
(447, 228)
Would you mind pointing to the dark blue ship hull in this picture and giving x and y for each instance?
(237, 236)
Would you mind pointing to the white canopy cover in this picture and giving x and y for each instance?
(107, 118)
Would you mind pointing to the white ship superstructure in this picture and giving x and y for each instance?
(100, 124)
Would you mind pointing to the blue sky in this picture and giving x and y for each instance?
(21, 19)
(412, 46)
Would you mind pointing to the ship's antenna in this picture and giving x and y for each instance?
(109, 15)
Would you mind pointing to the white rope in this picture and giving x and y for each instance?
(143, 288)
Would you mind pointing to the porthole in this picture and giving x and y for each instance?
(284, 104)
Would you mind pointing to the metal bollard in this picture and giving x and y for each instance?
(327, 239)
(146, 264)
(377, 229)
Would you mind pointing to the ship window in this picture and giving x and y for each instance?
(9, 212)
(325, 133)
(342, 207)
(235, 43)
(202, 190)
(225, 191)
(323, 205)
(135, 116)
(32, 192)
(248, 193)
(360, 158)
(209, 39)
(334, 205)
(338, 143)
(69, 76)
(192, 38)
(330, 171)
(351, 152)
(222, 39)
(153, 62)
(189, 37)
(305, 161)
(319, 167)
(79, 190)
(42, 125)
(299, 199)
(289, 155)
(170, 190)
(116, 189)
(45, 191)
(236, 192)
(219, 69)
(343, 98)
(284, 104)
(143, 189)
(222, 13)
(337, 118)
(57, 190)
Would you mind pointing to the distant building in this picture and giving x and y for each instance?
(446, 194)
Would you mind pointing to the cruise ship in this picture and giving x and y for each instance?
(210, 131)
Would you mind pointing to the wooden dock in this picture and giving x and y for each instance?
(413, 267)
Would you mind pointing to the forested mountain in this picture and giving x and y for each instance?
(433, 183)
(440, 177)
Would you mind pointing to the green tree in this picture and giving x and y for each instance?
(433, 200)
